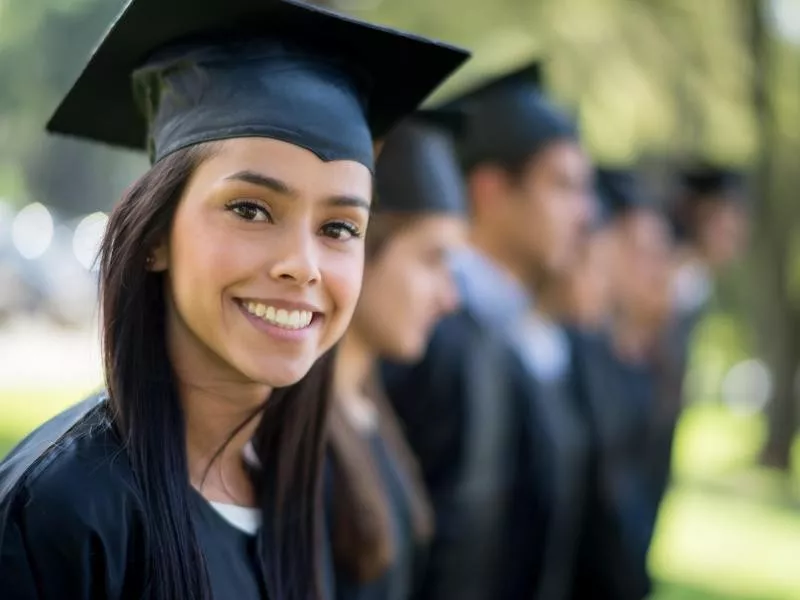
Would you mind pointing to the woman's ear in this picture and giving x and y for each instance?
(158, 259)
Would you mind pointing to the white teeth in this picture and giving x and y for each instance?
(295, 319)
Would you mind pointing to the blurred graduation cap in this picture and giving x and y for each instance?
(173, 73)
(704, 180)
(508, 119)
(619, 190)
(699, 182)
(418, 169)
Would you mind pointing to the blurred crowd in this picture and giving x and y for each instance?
(544, 410)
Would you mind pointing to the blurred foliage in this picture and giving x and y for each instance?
(645, 77)
(43, 46)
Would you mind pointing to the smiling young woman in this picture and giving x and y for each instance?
(228, 273)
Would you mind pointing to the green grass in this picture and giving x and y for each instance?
(728, 530)
(728, 545)
(676, 591)
(21, 410)
(713, 441)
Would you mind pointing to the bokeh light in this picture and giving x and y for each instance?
(32, 231)
(747, 387)
(87, 238)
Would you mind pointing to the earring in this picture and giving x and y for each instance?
(149, 262)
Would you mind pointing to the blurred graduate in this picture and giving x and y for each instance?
(618, 298)
(711, 222)
(502, 468)
(381, 518)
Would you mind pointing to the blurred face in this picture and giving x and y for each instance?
(408, 287)
(551, 207)
(723, 232)
(588, 285)
(264, 260)
(642, 266)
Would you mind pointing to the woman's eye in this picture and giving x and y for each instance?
(249, 211)
(341, 230)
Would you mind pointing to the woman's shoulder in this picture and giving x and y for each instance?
(70, 526)
(72, 467)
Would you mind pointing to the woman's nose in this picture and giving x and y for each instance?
(297, 259)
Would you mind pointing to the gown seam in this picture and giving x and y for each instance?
(57, 449)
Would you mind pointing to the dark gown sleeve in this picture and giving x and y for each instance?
(431, 400)
(68, 526)
(608, 567)
(672, 365)
(51, 551)
(428, 398)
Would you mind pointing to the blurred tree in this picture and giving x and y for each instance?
(775, 218)
(43, 46)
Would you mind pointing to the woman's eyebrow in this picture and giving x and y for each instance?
(284, 189)
(265, 181)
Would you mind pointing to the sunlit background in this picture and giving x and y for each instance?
(651, 81)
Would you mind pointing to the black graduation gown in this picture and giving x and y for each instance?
(397, 581)
(671, 371)
(617, 400)
(72, 525)
(556, 411)
(464, 409)
(568, 446)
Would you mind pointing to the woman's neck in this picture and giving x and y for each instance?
(355, 362)
(218, 426)
(222, 411)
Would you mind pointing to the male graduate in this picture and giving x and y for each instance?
(620, 377)
(472, 409)
(711, 222)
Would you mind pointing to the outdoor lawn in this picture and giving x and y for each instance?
(728, 530)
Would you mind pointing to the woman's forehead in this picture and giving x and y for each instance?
(297, 168)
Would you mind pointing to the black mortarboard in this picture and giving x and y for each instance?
(509, 119)
(204, 70)
(704, 180)
(618, 191)
(418, 168)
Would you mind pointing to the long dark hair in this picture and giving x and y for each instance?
(148, 415)
(362, 538)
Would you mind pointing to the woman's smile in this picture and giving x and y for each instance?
(283, 320)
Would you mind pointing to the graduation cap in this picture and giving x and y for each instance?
(618, 191)
(173, 73)
(509, 119)
(418, 168)
(704, 179)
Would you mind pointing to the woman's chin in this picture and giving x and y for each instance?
(279, 374)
